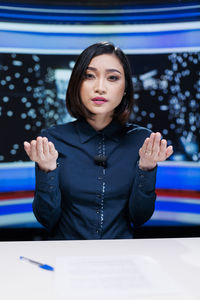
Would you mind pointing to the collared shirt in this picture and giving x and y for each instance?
(86, 199)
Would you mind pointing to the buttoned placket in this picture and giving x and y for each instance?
(101, 185)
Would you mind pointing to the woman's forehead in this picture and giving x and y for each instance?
(109, 61)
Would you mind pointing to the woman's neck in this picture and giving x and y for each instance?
(99, 122)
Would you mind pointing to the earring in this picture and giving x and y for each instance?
(124, 93)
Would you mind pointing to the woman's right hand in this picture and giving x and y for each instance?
(43, 153)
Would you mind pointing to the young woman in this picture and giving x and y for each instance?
(95, 177)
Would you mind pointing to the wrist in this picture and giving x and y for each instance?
(48, 168)
(149, 167)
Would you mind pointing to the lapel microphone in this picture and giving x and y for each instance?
(101, 160)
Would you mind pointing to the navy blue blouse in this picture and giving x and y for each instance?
(81, 199)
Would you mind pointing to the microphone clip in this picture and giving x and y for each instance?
(101, 160)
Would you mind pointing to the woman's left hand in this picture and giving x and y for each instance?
(153, 151)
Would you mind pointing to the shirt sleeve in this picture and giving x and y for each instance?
(47, 199)
(143, 196)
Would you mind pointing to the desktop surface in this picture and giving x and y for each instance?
(165, 269)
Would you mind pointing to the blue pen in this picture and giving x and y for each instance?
(40, 265)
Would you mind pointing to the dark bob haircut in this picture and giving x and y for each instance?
(73, 101)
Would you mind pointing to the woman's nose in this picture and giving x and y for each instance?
(100, 86)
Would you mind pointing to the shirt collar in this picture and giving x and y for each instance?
(87, 132)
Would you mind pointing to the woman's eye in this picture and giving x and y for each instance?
(89, 76)
(113, 78)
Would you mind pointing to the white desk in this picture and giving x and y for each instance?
(179, 258)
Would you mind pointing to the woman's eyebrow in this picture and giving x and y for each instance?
(107, 70)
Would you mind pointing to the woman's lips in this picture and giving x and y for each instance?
(99, 100)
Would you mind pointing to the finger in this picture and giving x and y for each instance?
(33, 152)
(142, 150)
(39, 147)
(156, 144)
(52, 149)
(150, 144)
(27, 148)
(163, 147)
(45, 146)
(169, 151)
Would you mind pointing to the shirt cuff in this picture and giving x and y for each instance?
(145, 180)
(46, 181)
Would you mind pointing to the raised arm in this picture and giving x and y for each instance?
(47, 199)
(143, 196)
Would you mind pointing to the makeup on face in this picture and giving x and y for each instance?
(103, 86)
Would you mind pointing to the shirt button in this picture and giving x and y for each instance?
(97, 231)
(140, 185)
(52, 177)
(100, 178)
(51, 187)
(99, 195)
(142, 176)
(97, 211)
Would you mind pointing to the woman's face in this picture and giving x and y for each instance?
(103, 86)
